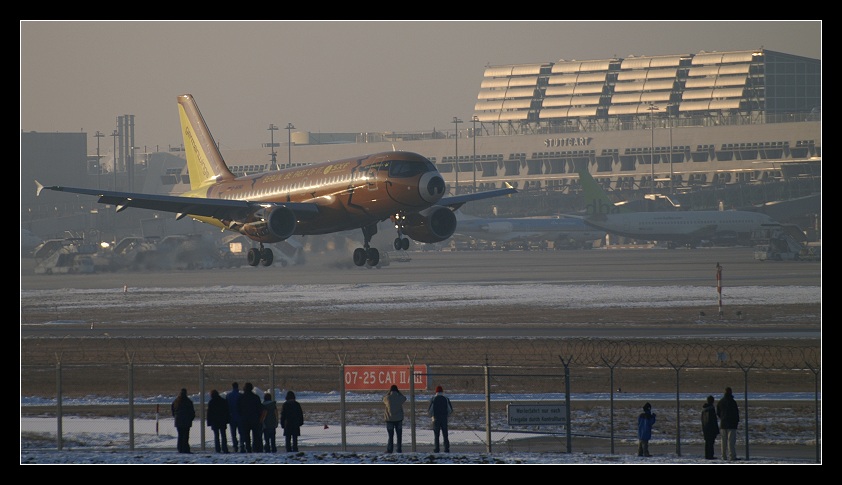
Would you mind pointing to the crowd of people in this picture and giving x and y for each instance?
(253, 424)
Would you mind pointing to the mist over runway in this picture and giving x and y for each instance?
(601, 292)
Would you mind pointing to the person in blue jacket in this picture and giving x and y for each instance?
(644, 430)
(233, 398)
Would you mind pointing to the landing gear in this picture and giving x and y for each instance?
(261, 255)
(400, 241)
(367, 254)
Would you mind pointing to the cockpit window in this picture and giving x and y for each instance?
(408, 168)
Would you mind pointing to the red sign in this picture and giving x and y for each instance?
(381, 377)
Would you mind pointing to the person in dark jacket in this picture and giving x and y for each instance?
(233, 399)
(184, 414)
(393, 415)
(217, 418)
(645, 421)
(440, 409)
(251, 429)
(270, 423)
(710, 427)
(729, 418)
(292, 418)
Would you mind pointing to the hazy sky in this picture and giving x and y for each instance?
(323, 76)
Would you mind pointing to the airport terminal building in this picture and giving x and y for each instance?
(706, 130)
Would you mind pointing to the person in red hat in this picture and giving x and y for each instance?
(440, 409)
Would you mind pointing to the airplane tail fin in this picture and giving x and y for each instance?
(204, 162)
(597, 202)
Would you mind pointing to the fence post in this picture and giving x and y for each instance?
(677, 405)
(745, 403)
(59, 440)
(611, 366)
(202, 402)
(412, 402)
(487, 406)
(272, 376)
(816, 402)
(344, 444)
(567, 401)
(130, 358)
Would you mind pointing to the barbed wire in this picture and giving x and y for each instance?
(535, 352)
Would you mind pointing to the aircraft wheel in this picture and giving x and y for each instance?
(373, 257)
(398, 244)
(266, 257)
(405, 244)
(359, 257)
(254, 257)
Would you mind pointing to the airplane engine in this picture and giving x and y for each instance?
(276, 224)
(432, 225)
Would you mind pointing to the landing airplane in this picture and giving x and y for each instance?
(563, 230)
(675, 227)
(327, 197)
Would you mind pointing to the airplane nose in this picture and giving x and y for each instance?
(431, 187)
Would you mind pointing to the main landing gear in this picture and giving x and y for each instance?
(260, 255)
(367, 254)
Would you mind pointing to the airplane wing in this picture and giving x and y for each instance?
(455, 202)
(217, 208)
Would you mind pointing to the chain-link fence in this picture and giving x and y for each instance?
(72, 395)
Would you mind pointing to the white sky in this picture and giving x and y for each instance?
(323, 76)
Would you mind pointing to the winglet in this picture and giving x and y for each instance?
(38, 188)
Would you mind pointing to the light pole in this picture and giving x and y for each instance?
(652, 108)
(114, 168)
(289, 144)
(98, 135)
(456, 122)
(272, 129)
(474, 120)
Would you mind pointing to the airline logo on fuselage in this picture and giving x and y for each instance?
(599, 207)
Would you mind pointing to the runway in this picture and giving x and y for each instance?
(586, 293)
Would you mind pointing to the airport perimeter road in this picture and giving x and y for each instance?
(625, 267)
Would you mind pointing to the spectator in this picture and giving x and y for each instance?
(233, 399)
(184, 414)
(292, 418)
(729, 418)
(645, 421)
(217, 418)
(270, 423)
(710, 427)
(393, 400)
(251, 429)
(440, 409)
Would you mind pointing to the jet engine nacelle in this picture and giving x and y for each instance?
(432, 225)
(275, 224)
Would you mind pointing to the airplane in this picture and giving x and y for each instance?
(686, 227)
(322, 198)
(570, 231)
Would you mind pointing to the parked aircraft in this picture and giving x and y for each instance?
(322, 198)
(567, 231)
(674, 227)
